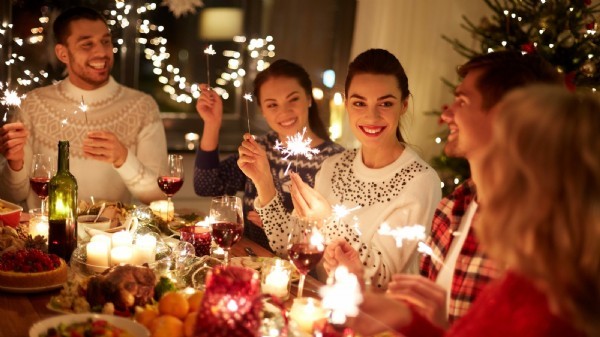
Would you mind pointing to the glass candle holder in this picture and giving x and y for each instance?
(199, 236)
(276, 277)
(38, 223)
(305, 312)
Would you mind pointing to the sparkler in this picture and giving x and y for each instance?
(423, 248)
(416, 232)
(248, 98)
(341, 295)
(340, 211)
(208, 51)
(83, 107)
(296, 145)
(11, 99)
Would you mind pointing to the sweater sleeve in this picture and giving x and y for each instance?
(214, 178)
(276, 220)
(141, 167)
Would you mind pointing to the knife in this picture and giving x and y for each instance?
(250, 252)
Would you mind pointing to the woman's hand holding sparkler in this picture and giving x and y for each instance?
(210, 108)
(307, 201)
(340, 252)
(12, 144)
(426, 296)
(255, 165)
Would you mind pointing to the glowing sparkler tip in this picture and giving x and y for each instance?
(415, 232)
(248, 97)
(11, 98)
(210, 50)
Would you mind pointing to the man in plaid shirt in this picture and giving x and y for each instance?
(446, 289)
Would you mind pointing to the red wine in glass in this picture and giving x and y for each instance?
(304, 256)
(226, 234)
(40, 186)
(170, 185)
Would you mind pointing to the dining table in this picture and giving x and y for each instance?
(18, 311)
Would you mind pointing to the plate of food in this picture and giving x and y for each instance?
(256, 262)
(78, 324)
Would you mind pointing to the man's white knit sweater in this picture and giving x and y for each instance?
(130, 114)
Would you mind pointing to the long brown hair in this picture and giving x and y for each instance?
(285, 68)
(541, 196)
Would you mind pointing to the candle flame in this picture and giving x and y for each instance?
(232, 305)
(341, 295)
(296, 145)
(416, 232)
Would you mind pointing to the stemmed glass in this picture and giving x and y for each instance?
(306, 245)
(42, 170)
(227, 222)
(170, 178)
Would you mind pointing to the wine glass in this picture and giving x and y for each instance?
(306, 246)
(227, 222)
(42, 170)
(170, 178)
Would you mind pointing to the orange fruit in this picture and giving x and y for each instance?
(189, 324)
(146, 316)
(166, 326)
(174, 304)
(195, 300)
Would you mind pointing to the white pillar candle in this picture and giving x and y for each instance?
(121, 255)
(97, 255)
(305, 312)
(122, 238)
(144, 250)
(101, 238)
(39, 226)
(276, 281)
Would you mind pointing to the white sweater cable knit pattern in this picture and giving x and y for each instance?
(130, 114)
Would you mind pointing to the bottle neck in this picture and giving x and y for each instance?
(63, 156)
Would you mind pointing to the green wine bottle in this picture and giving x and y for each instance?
(62, 207)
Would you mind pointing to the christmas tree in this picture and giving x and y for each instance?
(562, 32)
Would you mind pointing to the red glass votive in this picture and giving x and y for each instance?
(199, 237)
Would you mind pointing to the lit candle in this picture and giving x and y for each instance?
(122, 238)
(101, 238)
(38, 226)
(97, 255)
(144, 250)
(277, 279)
(121, 255)
(305, 312)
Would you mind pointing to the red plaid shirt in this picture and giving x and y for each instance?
(473, 268)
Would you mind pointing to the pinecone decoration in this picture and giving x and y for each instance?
(37, 242)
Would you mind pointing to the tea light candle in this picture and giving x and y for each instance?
(97, 254)
(39, 226)
(305, 312)
(144, 250)
(121, 255)
(122, 238)
(276, 282)
(105, 239)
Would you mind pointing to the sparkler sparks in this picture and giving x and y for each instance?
(425, 249)
(340, 211)
(416, 232)
(296, 145)
(208, 51)
(11, 99)
(83, 107)
(342, 295)
(248, 98)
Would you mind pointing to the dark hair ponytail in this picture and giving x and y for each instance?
(379, 62)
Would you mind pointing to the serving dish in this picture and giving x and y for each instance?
(10, 214)
(134, 328)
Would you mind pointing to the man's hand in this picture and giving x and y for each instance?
(427, 297)
(307, 201)
(104, 146)
(13, 137)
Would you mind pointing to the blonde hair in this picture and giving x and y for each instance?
(541, 196)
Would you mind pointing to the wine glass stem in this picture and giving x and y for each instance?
(225, 257)
(168, 208)
(301, 285)
(43, 206)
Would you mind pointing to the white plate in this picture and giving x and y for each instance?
(30, 290)
(128, 325)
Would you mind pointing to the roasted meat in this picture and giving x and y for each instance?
(125, 286)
